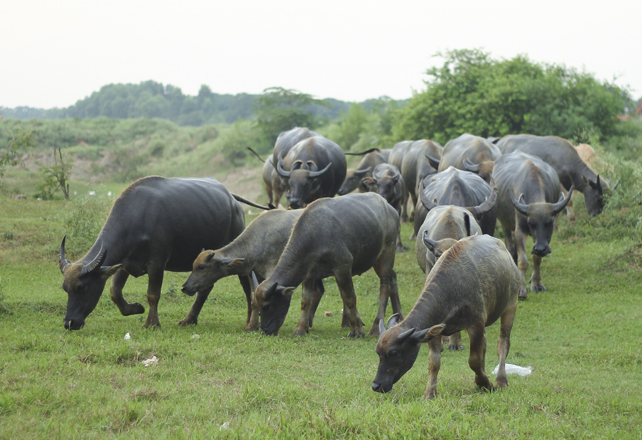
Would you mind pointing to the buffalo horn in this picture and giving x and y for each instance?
(434, 162)
(430, 243)
(382, 327)
(467, 224)
(486, 205)
(63, 260)
(405, 335)
(363, 171)
(270, 291)
(96, 263)
(469, 166)
(428, 204)
(563, 201)
(520, 207)
(318, 173)
(615, 186)
(255, 282)
(280, 170)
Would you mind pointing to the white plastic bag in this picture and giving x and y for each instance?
(515, 369)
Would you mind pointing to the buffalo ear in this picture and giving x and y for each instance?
(429, 333)
(231, 262)
(285, 290)
(209, 256)
(108, 271)
(394, 319)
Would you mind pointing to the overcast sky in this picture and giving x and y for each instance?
(53, 53)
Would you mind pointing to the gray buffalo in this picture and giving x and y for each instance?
(339, 237)
(386, 181)
(470, 153)
(284, 143)
(415, 166)
(155, 225)
(313, 168)
(571, 170)
(473, 284)
(371, 158)
(257, 250)
(459, 188)
(529, 199)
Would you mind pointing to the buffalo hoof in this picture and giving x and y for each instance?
(300, 332)
(152, 325)
(537, 287)
(400, 250)
(134, 309)
(522, 294)
(356, 334)
(187, 321)
(456, 347)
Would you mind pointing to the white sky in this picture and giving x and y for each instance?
(53, 53)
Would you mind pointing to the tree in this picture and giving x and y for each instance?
(19, 141)
(56, 176)
(280, 109)
(473, 93)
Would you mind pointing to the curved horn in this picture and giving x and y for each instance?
(270, 291)
(63, 259)
(520, 207)
(382, 327)
(405, 335)
(467, 224)
(363, 171)
(96, 263)
(561, 204)
(430, 243)
(255, 282)
(615, 186)
(470, 166)
(486, 205)
(433, 161)
(428, 204)
(318, 173)
(280, 170)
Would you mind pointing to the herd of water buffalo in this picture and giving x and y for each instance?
(458, 193)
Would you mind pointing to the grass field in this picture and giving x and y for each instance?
(581, 337)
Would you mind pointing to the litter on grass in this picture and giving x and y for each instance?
(151, 361)
(515, 369)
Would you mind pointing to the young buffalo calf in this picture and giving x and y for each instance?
(473, 284)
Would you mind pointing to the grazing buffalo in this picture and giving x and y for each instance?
(370, 160)
(571, 170)
(469, 153)
(442, 228)
(284, 143)
(271, 178)
(529, 199)
(386, 181)
(473, 284)
(395, 158)
(415, 166)
(459, 188)
(313, 168)
(155, 225)
(339, 237)
(257, 250)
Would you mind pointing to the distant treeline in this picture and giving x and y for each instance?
(151, 99)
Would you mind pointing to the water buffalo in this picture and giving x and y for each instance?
(386, 181)
(571, 170)
(371, 158)
(395, 158)
(339, 237)
(415, 166)
(155, 225)
(529, 198)
(469, 153)
(459, 188)
(473, 284)
(313, 168)
(257, 250)
(271, 179)
(284, 143)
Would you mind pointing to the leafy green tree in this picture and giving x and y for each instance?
(280, 109)
(473, 93)
(56, 177)
(19, 141)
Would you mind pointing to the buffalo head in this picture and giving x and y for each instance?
(539, 221)
(84, 283)
(207, 269)
(273, 302)
(483, 169)
(594, 195)
(303, 180)
(398, 348)
(353, 179)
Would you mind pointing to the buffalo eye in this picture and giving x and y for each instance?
(201, 267)
(393, 353)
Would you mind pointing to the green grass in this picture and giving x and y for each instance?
(581, 337)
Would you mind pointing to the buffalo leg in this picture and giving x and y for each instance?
(318, 294)
(247, 288)
(346, 288)
(503, 344)
(477, 358)
(536, 277)
(192, 316)
(522, 259)
(116, 294)
(454, 342)
(387, 289)
(307, 300)
(155, 283)
(434, 363)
